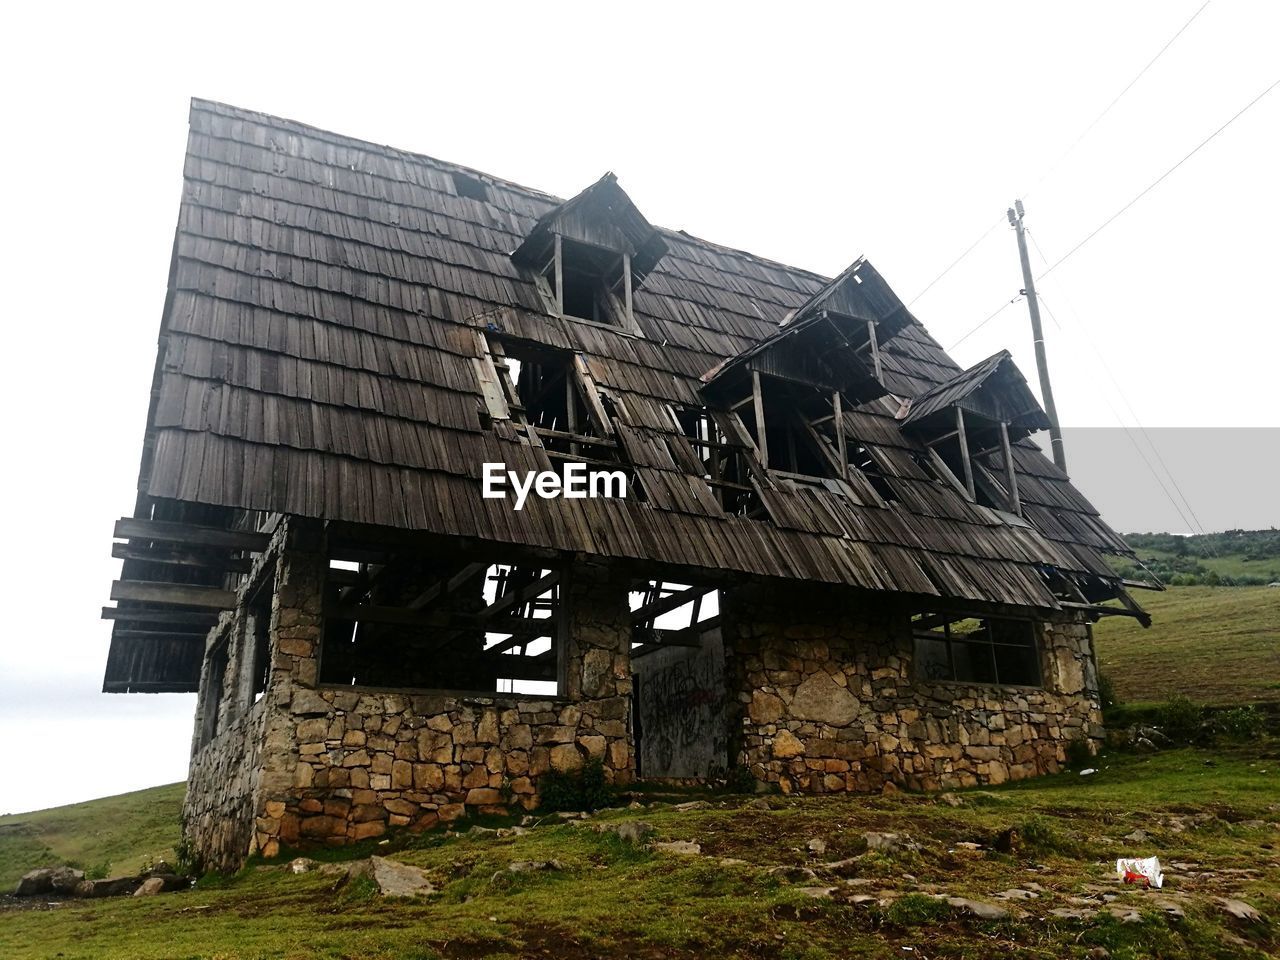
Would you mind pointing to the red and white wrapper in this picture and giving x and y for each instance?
(1144, 872)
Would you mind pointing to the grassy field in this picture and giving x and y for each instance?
(1210, 817)
(114, 834)
(1217, 645)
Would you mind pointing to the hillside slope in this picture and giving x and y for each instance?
(1216, 645)
(114, 834)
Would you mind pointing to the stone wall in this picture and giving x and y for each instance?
(339, 764)
(829, 701)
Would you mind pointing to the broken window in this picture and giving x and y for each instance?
(470, 187)
(722, 456)
(671, 614)
(588, 283)
(257, 635)
(552, 396)
(414, 622)
(967, 650)
(213, 691)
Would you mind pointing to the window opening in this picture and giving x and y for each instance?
(415, 623)
(470, 187)
(589, 283)
(967, 650)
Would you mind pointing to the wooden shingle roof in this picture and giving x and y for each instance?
(317, 359)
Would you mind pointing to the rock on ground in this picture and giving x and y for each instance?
(685, 848)
(150, 887)
(393, 879)
(48, 880)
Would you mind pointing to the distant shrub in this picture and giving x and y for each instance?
(98, 871)
(915, 909)
(583, 789)
(1039, 835)
(1240, 723)
(1107, 695)
(1180, 718)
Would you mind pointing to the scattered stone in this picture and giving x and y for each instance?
(889, 842)
(1240, 910)
(693, 805)
(979, 909)
(732, 862)
(480, 832)
(1252, 824)
(300, 865)
(840, 868)
(818, 893)
(1017, 894)
(393, 879)
(968, 846)
(817, 847)
(685, 848)
(1138, 836)
(1171, 909)
(534, 866)
(1125, 914)
(890, 788)
(951, 800)
(635, 805)
(1098, 953)
(633, 831)
(759, 803)
(150, 887)
(114, 887)
(792, 874)
(858, 899)
(48, 880)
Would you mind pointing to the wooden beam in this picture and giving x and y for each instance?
(963, 440)
(875, 349)
(559, 274)
(132, 528)
(837, 415)
(440, 620)
(126, 634)
(651, 611)
(445, 587)
(149, 615)
(521, 596)
(626, 290)
(757, 400)
(176, 556)
(1010, 474)
(591, 393)
(174, 594)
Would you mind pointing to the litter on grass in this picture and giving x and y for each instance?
(1144, 872)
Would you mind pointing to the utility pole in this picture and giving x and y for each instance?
(1042, 364)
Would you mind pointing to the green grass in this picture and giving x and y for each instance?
(1216, 645)
(115, 834)
(615, 900)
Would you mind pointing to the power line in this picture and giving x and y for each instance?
(1155, 183)
(954, 263)
(1118, 97)
(1132, 439)
(1075, 143)
(991, 316)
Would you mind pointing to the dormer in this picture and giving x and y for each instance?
(590, 254)
(977, 413)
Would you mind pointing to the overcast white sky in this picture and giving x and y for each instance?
(806, 133)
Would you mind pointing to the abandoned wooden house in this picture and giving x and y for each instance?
(839, 562)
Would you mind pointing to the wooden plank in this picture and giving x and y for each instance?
(184, 635)
(1011, 474)
(963, 439)
(440, 620)
(148, 615)
(757, 401)
(837, 414)
(657, 608)
(132, 528)
(521, 596)
(447, 586)
(595, 409)
(174, 594)
(176, 556)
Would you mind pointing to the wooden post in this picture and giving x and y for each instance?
(837, 412)
(571, 410)
(626, 289)
(963, 440)
(559, 270)
(757, 398)
(1037, 334)
(875, 348)
(1011, 477)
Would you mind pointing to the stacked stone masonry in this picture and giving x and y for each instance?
(830, 702)
(823, 686)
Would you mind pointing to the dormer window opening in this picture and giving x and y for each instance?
(586, 282)
(722, 456)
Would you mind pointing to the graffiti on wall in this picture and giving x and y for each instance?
(682, 709)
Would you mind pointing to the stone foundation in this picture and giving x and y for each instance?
(831, 703)
(820, 696)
